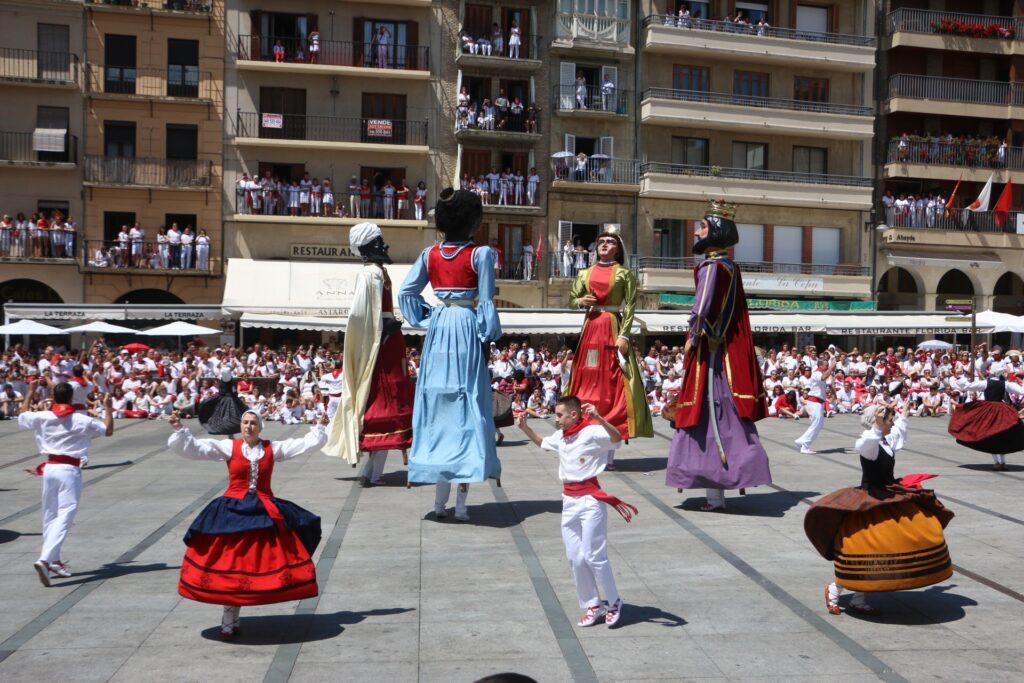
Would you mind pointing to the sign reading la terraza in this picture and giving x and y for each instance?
(323, 252)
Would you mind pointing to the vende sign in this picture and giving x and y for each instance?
(379, 128)
(273, 121)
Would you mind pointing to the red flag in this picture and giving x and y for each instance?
(1002, 207)
(952, 197)
(540, 253)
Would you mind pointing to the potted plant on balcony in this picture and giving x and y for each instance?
(716, 170)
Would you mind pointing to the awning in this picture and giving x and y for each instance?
(299, 288)
(48, 139)
(299, 322)
(943, 259)
(668, 322)
(1001, 322)
(82, 312)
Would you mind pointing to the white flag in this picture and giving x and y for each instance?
(981, 203)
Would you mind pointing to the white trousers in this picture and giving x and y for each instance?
(62, 487)
(585, 533)
(444, 491)
(716, 497)
(817, 413)
(373, 467)
(332, 406)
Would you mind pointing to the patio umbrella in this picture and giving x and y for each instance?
(599, 156)
(562, 155)
(1001, 322)
(935, 345)
(178, 328)
(100, 327)
(25, 326)
(135, 347)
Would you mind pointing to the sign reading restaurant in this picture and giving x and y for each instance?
(323, 252)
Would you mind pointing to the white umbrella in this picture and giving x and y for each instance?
(562, 155)
(599, 156)
(935, 345)
(179, 328)
(1001, 322)
(25, 326)
(100, 327)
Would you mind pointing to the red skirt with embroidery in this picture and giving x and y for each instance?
(387, 422)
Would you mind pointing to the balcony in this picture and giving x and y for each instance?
(503, 129)
(331, 133)
(958, 96)
(31, 67)
(662, 274)
(172, 83)
(590, 101)
(151, 258)
(472, 56)
(19, 247)
(43, 148)
(724, 111)
(972, 161)
(957, 220)
(578, 30)
(199, 9)
(752, 186)
(335, 57)
(596, 173)
(978, 33)
(179, 174)
(257, 207)
(709, 39)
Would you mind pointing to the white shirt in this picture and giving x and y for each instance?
(816, 386)
(583, 455)
(184, 444)
(333, 383)
(70, 435)
(867, 444)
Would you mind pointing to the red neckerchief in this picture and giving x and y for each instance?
(62, 409)
(584, 422)
(79, 381)
(335, 373)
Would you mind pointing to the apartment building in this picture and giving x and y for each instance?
(773, 113)
(154, 128)
(953, 112)
(41, 76)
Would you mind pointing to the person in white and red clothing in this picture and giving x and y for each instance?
(583, 442)
(333, 383)
(816, 404)
(81, 387)
(64, 435)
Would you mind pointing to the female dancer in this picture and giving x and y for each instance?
(885, 535)
(992, 425)
(248, 547)
(453, 418)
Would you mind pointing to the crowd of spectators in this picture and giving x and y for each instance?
(40, 235)
(918, 211)
(275, 196)
(989, 151)
(173, 249)
(509, 115)
(738, 23)
(493, 43)
(507, 188)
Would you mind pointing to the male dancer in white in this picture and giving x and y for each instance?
(333, 382)
(816, 403)
(583, 441)
(64, 436)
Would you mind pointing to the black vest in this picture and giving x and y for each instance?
(995, 390)
(879, 472)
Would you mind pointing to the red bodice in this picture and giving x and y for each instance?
(239, 467)
(387, 304)
(450, 266)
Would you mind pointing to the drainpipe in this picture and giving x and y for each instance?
(878, 143)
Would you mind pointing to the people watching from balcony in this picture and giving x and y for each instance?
(39, 236)
(919, 211)
(984, 151)
(383, 41)
(581, 91)
(508, 188)
(202, 250)
(315, 197)
(313, 41)
(187, 240)
(420, 199)
(509, 116)
(514, 40)
(279, 51)
(497, 39)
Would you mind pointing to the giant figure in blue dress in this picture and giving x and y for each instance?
(453, 421)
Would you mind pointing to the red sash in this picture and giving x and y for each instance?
(53, 459)
(815, 399)
(590, 487)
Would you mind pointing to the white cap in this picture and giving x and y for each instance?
(362, 234)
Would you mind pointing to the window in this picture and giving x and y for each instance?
(690, 151)
(753, 12)
(292, 30)
(119, 139)
(401, 36)
(54, 61)
(50, 138)
(476, 162)
(698, 10)
(182, 141)
(604, 8)
(182, 68)
(119, 73)
(510, 238)
(789, 248)
(670, 237)
(687, 77)
(813, 19)
(750, 84)
(750, 248)
(291, 103)
(284, 171)
(749, 155)
(810, 160)
(807, 89)
(826, 244)
(387, 107)
(48, 207)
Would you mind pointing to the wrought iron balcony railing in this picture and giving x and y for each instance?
(962, 154)
(296, 50)
(62, 67)
(176, 80)
(689, 23)
(756, 174)
(596, 98)
(964, 90)
(596, 168)
(751, 101)
(148, 172)
(331, 128)
(954, 24)
(40, 146)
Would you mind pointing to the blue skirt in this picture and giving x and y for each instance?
(225, 515)
(453, 416)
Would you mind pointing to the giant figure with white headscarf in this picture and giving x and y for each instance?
(375, 414)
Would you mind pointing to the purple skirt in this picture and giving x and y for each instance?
(693, 460)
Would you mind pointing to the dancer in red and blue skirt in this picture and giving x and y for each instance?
(248, 547)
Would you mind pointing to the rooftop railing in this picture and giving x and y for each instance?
(596, 98)
(755, 174)
(689, 23)
(297, 50)
(148, 172)
(937, 217)
(177, 80)
(963, 154)
(39, 146)
(954, 24)
(642, 263)
(61, 67)
(967, 90)
(331, 128)
(751, 101)
(610, 31)
(596, 168)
